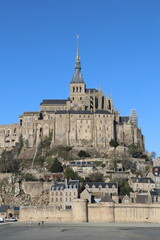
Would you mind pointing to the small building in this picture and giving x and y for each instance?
(141, 184)
(4, 211)
(63, 193)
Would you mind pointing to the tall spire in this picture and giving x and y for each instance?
(78, 63)
(77, 77)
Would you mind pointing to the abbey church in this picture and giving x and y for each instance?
(86, 118)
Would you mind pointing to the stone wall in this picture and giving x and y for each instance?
(35, 188)
(101, 212)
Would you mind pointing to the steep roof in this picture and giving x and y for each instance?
(102, 184)
(106, 198)
(61, 185)
(91, 90)
(142, 180)
(77, 77)
(54, 101)
(82, 112)
(3, 208)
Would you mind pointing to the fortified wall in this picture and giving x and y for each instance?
(99, 212)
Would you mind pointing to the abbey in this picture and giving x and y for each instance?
(85, 118)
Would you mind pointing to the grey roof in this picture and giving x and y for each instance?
(54, 101)
(91, 90)
(102, 112)
(155, 192)
(142, 180)
(72, 112)
(61, 185)
(106, 198)
(102, 184)
(82, 112)
(3, 208)
(77, 77)
(141, 198)
(124, 119)
(30, 113)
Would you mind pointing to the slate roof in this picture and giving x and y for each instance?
(91, 90)
(61, 185)
(106, 198)
(102, 184)
(82, 112)
(77, 77)
(30, 113)
(124, 119)
(142, 180)
(3, 208)
(72, 112)
(155, 192)
(54, 102)
(141, 198)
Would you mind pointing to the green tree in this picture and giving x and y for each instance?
(83, 154)
(54, 165)
(135, 150)
(123, 186)
(113, 143)
(70, 174)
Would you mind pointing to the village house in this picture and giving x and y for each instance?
(63, 193)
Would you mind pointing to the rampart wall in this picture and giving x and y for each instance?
(100, 212)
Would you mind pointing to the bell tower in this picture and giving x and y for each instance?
(77, 84)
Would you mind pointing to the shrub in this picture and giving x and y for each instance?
(83, 154)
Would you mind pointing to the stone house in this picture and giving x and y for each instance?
(62, 194)
(99, 189)
(141, 184)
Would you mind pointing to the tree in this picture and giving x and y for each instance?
(123, 186)
(113, 143)
(96, 177)
(83, 154)
(135, 150)
(9, 161)
(55, 166)
(70, 174)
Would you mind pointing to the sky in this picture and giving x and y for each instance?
(119, 49)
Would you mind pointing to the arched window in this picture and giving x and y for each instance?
(80, 89)
(76, 89)
(73, 89)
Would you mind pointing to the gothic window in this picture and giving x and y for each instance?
(76, 89)
(73, 89)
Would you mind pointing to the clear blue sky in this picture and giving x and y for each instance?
(119, 47)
